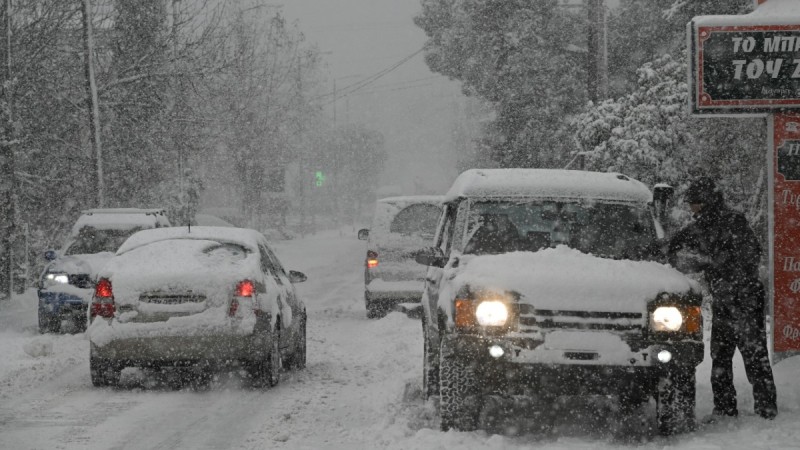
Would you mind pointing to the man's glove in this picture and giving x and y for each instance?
(688, 261)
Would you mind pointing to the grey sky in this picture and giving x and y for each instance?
(414, 108)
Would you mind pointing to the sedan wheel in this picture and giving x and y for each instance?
(275, 362)
(267, 372)
(297, 359)
(103, 372)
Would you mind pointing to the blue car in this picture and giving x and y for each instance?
(67, 283)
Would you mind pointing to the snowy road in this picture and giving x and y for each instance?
(361, 389)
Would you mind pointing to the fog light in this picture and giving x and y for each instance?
(496, 351)
(665, 356)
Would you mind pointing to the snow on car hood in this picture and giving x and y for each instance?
(179, 265)
(77, 264)
(565, 279)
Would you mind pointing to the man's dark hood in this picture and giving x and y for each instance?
(704, 191)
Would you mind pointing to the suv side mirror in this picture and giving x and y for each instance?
(663, 195)
(50, 255)
(430, 256)
(363, 234)
(297, 277)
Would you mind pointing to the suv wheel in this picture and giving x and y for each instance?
(459, 404)
(375, 310)
(675, 402)
(103, 372)
(430, 371)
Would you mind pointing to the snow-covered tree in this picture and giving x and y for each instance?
(649, 134)
(524, 58)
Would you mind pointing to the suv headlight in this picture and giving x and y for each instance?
(491, 313)
(55, 279)
(666, 318)
(675, 314)
(486, 310)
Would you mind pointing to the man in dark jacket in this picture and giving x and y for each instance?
(730, 255)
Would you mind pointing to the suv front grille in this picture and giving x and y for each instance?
(163, 298)
(531, 320)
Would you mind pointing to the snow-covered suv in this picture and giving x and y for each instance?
(67, 282)
(545, 283)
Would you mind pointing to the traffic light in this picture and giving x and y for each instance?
(319, 178)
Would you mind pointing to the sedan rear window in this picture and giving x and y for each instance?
(225, 252)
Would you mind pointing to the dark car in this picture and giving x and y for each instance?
(66, 285)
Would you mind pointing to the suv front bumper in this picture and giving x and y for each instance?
(527, 365)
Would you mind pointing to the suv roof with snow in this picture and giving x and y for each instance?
(547, 183)
(121, 219)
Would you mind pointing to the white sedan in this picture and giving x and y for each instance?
(200, 295)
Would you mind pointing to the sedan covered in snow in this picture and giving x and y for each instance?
(208, 296)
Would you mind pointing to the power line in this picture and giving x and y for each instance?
(350, 89)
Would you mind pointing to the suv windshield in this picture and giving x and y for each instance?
(92, 240)
(619, 231)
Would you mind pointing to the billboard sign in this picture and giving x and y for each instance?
(786, 234)
(744, 68)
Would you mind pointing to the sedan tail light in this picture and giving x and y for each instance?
(245, 289)
(372, 259)
(103, 300)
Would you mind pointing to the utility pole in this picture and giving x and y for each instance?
(597, 64)
(8, 210)
(179, 109)
(92, 102)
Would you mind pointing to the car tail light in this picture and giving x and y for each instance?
(245, 289)
(103, 300)
(372, 259)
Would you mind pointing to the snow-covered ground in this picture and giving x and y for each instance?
(361, 389)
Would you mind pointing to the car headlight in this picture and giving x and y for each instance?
(491, 313)
(666, 318)
(55, 278)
